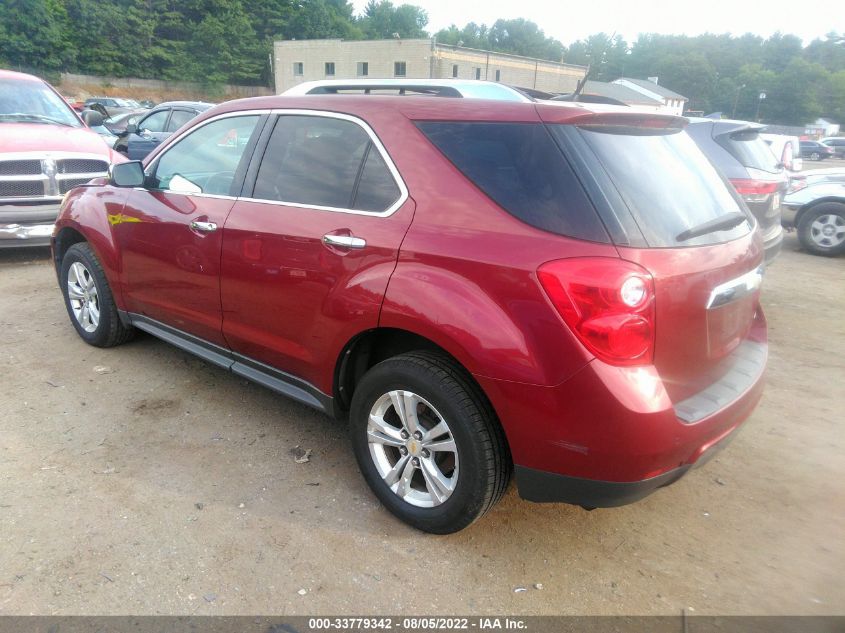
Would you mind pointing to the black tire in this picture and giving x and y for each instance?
(814, 241)
(482, 453)
(815, 156)
(109, 330)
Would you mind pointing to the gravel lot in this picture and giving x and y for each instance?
(141, 480)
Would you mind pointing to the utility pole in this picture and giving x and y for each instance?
(759, 101)
(736, 101)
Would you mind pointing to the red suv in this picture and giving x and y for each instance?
(565, 292)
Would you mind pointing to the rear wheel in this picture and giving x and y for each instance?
(821, 229)
(89, 300)
(427, 442)
(815, 156)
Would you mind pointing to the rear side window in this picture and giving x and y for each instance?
(155, 122)
(665, 181)
(324, 162)
(750, 150)
(520, 167)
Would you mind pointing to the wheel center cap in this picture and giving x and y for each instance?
(414, 447)
(828, 230)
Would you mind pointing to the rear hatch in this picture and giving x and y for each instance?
(669, 211)
(766, 182)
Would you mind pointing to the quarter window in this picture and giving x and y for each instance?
(399, 69)
(324, 162)
(205, 161)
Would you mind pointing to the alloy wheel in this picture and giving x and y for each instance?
(828, 230)
(83, 297)
(412, 448)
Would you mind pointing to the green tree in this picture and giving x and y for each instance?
(34, 33)
(383, 20)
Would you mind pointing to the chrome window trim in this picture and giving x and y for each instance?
(374, 139)
(391, 166)
(736, 288)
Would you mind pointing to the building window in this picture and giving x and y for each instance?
(329, 69)
(363, 69)
(298, 68)
(398, 69)
(498, 75)
(454, 70)
(478, 73)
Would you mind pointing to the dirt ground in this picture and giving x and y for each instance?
(139, 480)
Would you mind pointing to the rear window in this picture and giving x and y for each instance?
(520, 167)
(750, 150)
(664, 180)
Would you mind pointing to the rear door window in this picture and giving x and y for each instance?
(750, 150)
(179, 118)
(519, 166)
(324, 162)
(155, 122)
(664, 180)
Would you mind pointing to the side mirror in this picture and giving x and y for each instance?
(132, 128)
(92, 118)
(130, 174)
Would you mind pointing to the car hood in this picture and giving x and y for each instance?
(44, 139)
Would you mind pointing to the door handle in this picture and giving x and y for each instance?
(204, 227)
(344, 241)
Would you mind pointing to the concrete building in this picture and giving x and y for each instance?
(296, 61)
(673, 103)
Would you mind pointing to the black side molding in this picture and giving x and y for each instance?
(274, 379)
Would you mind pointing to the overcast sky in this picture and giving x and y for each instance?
(570, 21)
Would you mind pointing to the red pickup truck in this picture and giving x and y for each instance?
(46, 149)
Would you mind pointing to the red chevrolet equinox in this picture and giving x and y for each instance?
(567, 293)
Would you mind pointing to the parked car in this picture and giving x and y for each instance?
(478, 286)
(112, 105)
(139, 139)
(738, 151)
(119, 123)
(787, 149)
(837, 143)
(815, 205)
(46, 150)
(816, 151)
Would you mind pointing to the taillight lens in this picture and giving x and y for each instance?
(750, 187)
(608, 304)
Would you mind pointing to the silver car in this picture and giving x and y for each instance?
(815, 205)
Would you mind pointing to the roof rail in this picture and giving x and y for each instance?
(406, 89)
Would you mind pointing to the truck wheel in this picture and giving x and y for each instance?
(821, 229)
(89, 300)
(428, 442)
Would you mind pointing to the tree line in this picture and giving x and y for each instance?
(230, 41)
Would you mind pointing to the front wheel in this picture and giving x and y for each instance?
(821, 229)
(428, 442)
(815, 156)
(89, 300)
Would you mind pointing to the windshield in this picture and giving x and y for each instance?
(26, 101)
(675, 195)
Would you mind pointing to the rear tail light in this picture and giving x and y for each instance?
(608, 304)
(749, 187)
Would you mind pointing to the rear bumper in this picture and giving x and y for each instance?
(772, 243)
(609, 436)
